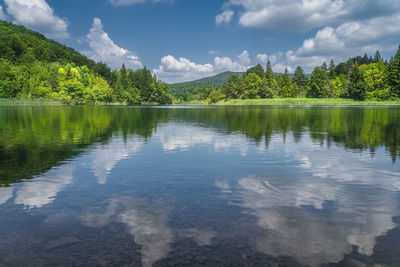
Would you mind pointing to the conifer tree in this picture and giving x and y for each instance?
(393, 74)
(300, 79)
(270, 80)
(332, 68)
(286, 86)
(377, 57)
(357, 86)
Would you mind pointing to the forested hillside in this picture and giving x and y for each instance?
(360, 78)
(32, 66)
(199, 89)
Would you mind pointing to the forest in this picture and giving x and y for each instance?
(32, 66)
(360, 78)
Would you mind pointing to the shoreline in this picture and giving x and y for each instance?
(294, 102)
(234, 102)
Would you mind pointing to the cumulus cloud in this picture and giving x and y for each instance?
(244, 58)
(134, 2)
(304, 15)
(38, 15)
(263, 58)
(227, 64)
(224, 18)
(105, 50)
(181, 69)
(347, 39)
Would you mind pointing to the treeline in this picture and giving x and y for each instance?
(360, 78)
(32, 66)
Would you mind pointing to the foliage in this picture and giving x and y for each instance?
(33, 67)
(319, 83)
(357, 86)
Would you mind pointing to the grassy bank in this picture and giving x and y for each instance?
(299, 102)
(49, 102)
(29, 102)
(275, 101)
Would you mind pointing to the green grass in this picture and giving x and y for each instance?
(27, 101)
(300, 102)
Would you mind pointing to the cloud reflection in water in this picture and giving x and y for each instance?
(316, 203)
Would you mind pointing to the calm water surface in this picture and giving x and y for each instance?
(212, 186)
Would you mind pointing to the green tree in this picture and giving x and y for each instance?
(338, 86)
(256, 70)
(357, 86)
(377, 57)
(251, 86)
(376, 86)
(319, 83)
(286, 87)
(300, 79)
(332, 68)
(393, 74)
(232, 88)
(271, 82)
(7, 80)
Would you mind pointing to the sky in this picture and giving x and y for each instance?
(183, 40)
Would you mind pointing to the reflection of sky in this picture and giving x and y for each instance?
(182, 137)
(351, 201)
(5, 194)
(146, 223)
(105, 157)
(43, 190)
(313, 201)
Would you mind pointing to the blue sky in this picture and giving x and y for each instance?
(182, 40)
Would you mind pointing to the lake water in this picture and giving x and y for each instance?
(205, 186)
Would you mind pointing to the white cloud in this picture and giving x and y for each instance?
(263, 58)
(227, 64)
(212, 52)
(38, 15)
(224, 18)
(244, 58)
(134, 2)
(181, 69)
(304, 15)
(105, 50)
(2, 16)
(347, 39)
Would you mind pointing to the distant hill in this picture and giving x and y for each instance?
(219, 78)
(181, 90)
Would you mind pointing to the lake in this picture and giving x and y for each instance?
(205, 186)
